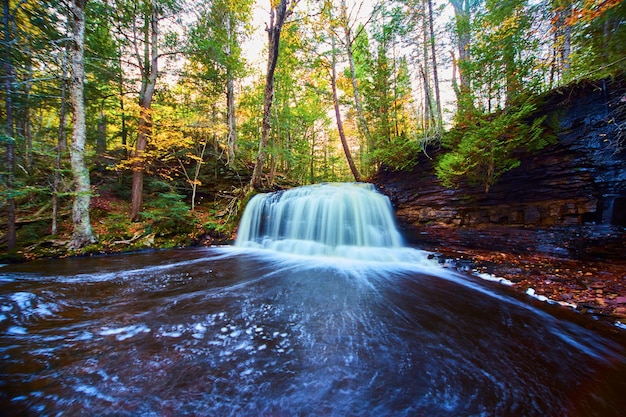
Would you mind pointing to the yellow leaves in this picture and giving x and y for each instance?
(193, 157)
(509, 27)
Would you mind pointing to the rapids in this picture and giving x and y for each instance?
(249, 331)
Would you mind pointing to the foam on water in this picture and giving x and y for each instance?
(257, 332)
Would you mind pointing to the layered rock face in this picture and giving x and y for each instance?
(568, 200)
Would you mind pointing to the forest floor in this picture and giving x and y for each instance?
(596, 288)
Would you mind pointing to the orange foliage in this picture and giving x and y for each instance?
(591, 10)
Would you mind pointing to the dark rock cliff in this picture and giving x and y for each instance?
(568, 200)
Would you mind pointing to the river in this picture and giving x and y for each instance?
(233, 331)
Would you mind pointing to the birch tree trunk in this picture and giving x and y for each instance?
(9, 83)
(82, 234)
(230, 96)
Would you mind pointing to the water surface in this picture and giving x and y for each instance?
(236, 332)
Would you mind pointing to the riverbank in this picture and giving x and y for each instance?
(594, 288)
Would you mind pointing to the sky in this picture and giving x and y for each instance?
(359, 10)
(258, 40)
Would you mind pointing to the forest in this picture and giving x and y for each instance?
(129, 124)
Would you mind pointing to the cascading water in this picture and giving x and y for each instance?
(349, 220)
(237, 332)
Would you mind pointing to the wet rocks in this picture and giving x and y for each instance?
(556, 224)
(566, 200)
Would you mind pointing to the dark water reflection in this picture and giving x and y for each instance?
(216, 332)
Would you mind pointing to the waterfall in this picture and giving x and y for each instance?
(350, 220)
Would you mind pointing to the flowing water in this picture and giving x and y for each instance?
(247, 331)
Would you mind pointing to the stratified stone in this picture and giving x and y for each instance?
(560, 201)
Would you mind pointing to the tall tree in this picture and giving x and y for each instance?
(349, 41)
(216, 43)
(433, 56)
(82, 235)
(148, 62)
(9, 134)
(278, 15)
(598, 47)
(463, 14)
(342, 135)
(503, 54)
(562, 32)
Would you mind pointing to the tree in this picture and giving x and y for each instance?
(349, 42)
(215, 43)
(9, 134)
(463, 16)
(598, 39)
(143, 43)
(433, 56)
(278, 14)
(481, 153)
(82, 234)
(342, 135)
(147, 62)
(562, 32)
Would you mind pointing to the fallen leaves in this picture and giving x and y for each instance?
(597, 288)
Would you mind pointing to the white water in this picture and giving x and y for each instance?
(347, 220)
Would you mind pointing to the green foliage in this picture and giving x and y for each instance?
(399, 154)
(215, 40)
(487, 148)
(169, 215)
(504, 58)
(599, 43)
(388, 98)
(216, 229)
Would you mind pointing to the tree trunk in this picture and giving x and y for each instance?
(124, 129)
(427, 101)
(61, 145)
(355, 88)
(82, 234)
(342, 135)
(566, 33)
(230, 98)
(462, 15)
(101, 137)
(429, 117)
(9, 83)
(439, 115)
(22, 118)
(149, 67)
(278, 15)
(232, 123)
